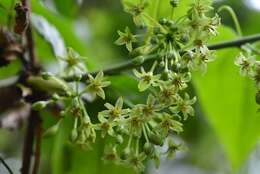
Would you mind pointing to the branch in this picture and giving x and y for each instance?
(29, 39)
(37, 148)
(28, 143)
(131, 64)
(34, 121)
(235, 43)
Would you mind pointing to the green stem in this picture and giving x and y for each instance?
(131, 64)
(137, 146)
(145, 134)
(234, 17)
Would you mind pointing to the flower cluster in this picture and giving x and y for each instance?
(137, 131)
(249, 67)
(181, 47)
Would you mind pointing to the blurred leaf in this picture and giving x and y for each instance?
(66, 28)
(58, 155)
(50, 34)
(228, 100)
(10, 70)
(67, 8)
(6, 11)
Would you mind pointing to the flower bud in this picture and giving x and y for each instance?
(163, 21)
(174, 3)
(172, 25)
(52, 130)
(165, 75)
(138, 60)
(40, 105)
(55, 97)
(156, 139)
(125, 154)
(46, 75)
(148, 148)
(119, 139)
(73, 135)
(135, 53)
(162, 64)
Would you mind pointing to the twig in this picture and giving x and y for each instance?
(235, 43)
(37, 148)
(30, 40)
(28, 143)
(34, 118)
(131, 64)
(6, 165)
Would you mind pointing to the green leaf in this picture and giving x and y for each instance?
(50, 34)
(228, 100)
(65, 26)
(127, 87)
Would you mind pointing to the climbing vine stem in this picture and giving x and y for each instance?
(131, 64)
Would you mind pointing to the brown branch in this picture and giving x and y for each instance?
(30, 43)
(34, 122)
(37, 147)
(29, 39)
(28, 143)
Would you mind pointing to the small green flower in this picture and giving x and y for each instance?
(203, 58)
(40, 105)
(137, 11)
(255, 75)
(180, 80)
(114, 113)
(137, 161)
(168, 94)
(86, 135)
(184, 106)
(147, 79)
(212, 25)
(199, 8)
(97, 84)
(188, 60)
(126, 38)
(169, 124)
(172, 148)
(156, 158)
(74, 62)
(111, 155)
(106, 128)
(245, 63)
(149, 109)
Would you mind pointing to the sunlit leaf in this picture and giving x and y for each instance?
(228, 100)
